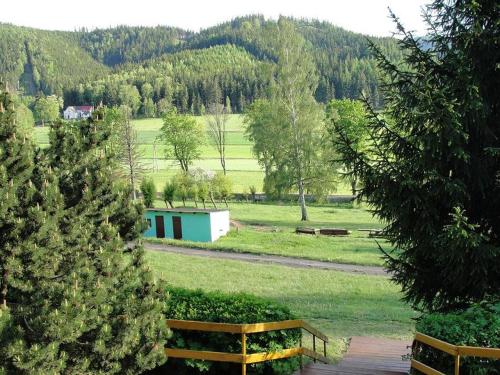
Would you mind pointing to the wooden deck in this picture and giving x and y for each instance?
(366, 356)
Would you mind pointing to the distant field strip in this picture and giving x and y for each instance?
(241, 165)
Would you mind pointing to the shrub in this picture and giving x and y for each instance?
(223, 308)
(169, 193)
(478, 325)
(148, 190)
(222, 187)
(253, 192)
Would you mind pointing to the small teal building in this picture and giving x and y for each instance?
(192, 224)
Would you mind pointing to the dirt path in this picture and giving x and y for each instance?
(268, 259)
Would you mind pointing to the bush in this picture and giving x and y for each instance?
(169, 193)
(478, 325)
(148, 190)
(223, 308)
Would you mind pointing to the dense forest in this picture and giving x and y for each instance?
(44, 61)
(153, 68)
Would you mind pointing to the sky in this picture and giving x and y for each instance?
(364, 16)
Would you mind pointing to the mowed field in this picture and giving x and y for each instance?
(340, 304)
(242, 167)
(270, 229)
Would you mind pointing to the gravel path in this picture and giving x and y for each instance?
(268, 259)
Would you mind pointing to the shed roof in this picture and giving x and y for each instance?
(187, 210)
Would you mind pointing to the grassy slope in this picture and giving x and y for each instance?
(269, 229)
(340, 304)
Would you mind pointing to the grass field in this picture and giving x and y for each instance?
(270, 229)
(242, 167)
(339, 304)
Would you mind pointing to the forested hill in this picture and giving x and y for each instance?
(152, 66)
(46, 61)
(127, 44)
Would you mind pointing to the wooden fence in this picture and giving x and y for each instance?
(245, 329)
(456, 351)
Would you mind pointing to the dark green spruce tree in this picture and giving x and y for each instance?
(432, 169)
(16, 165)
(88, 304)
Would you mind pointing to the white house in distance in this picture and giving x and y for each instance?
(78, 112)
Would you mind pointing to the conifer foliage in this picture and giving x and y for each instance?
(432, 168)
(16, 164)
(85, 302)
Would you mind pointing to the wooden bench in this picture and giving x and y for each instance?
(376, 233)
(334, 232)
(305, 230)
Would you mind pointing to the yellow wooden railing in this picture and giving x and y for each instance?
(244, 330)
(456, 351)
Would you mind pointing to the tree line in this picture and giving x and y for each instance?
(179, 67)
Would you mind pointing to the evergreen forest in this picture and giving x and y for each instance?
(151, 69)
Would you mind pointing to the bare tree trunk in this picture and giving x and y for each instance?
(213, 202)
(353, 186)
(154, 155)
(302, 202)
(223, 164)
(132, 173)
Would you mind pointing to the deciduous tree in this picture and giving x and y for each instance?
(290, 146)
(218, 116)
(350, 116)
(47, 108)
(130, 153)
(182, 136)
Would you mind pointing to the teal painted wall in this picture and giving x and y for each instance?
(195, 225)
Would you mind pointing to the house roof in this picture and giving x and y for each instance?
(187, 210)
(86, 108)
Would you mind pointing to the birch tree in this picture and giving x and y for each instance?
(218, 116)
(131, 155)
(292, 147)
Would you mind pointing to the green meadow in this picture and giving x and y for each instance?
(270, 229)
(242, 167)
(339, 304)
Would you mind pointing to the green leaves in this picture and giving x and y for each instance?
(182, 135)
(478, 325)
(426, 169)
(148, 190)
(223, 308)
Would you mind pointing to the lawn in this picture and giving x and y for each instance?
(339, 304)
(269, 229)
(241, 164)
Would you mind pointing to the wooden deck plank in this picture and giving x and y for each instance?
(367, 356)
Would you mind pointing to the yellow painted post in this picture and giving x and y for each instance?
(244, 352)
(300, 344)
(457, 364)
(314, 346)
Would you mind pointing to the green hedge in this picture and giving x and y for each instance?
(478, 325)
(223, 308)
